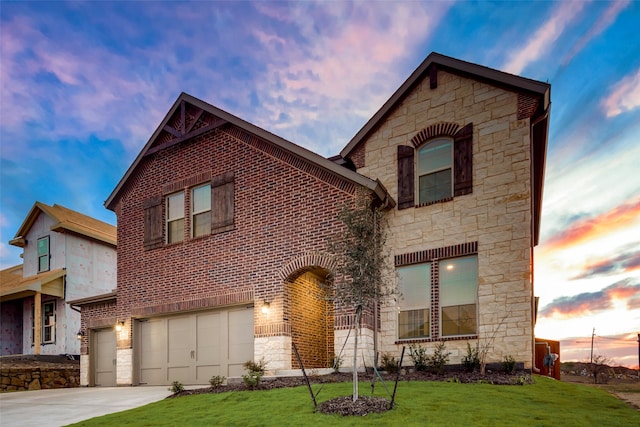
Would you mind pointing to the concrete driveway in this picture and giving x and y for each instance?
(60, 407)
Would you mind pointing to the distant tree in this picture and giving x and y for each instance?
(360, 262)
(599, 368)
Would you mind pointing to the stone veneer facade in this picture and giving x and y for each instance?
(496, 215)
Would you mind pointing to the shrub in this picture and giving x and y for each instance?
(336, 363)
(419, 357)
(439, 359)
(176, 387)
(509, 364)
(255, 372)
(471, 361)
(389, 363)
(216, 381)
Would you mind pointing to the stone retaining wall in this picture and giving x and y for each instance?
(22, 379)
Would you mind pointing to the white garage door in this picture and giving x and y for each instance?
(104, 357)
(193, 347)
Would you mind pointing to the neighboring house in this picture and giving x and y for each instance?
(66, 255)
(222, 229)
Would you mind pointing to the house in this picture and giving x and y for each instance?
(222, 230)
(66, 255)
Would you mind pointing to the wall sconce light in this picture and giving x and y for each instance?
(119, 326)
(265, 307)
(80, 334)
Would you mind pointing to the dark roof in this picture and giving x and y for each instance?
(222, 117)
(540, 119)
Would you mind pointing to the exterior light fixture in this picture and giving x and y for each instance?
(265, 308)
(80, 334)
(119, 326)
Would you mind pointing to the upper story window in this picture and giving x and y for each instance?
(43, 254)
(435, 167)
(438, 165)
(201, 211)
(210, 206)
(175, 218)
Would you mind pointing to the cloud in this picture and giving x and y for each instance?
(546, 34)
(585, 229)
(624, 96)
(341, 68)
(593, 302)
(603, 22)
(625, 262)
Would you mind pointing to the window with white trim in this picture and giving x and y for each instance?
(49, 322)
(175, 217)
(43, 254)
(458, 296)
(435, 170)
(201, 210)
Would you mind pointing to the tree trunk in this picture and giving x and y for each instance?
(355, 354)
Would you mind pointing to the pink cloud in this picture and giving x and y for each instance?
(625, 96)
(545, 35)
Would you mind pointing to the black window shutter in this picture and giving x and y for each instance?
(153, 226)
(463, 161)
(222, 210)
(406, 186)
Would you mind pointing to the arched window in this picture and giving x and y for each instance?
(435, 170)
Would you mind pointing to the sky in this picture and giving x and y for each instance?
(84, 85)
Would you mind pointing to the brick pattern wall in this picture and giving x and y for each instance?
(284, 207)
(496, 215)
(310, 315)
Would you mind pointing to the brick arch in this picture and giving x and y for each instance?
(308, 310)
(435, 130)
(306, 262)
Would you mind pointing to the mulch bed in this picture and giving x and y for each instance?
(366, 404)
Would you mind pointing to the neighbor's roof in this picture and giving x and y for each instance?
(540, 119)
(222, 117)
(13, 285)
(66, 220)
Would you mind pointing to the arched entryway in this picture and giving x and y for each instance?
(309, 311)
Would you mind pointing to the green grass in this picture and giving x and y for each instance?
(545, 403)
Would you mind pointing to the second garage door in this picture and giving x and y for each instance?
(193, 347)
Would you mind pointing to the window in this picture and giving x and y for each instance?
(43, 254)
(415, 301)
(435, 160)
(201, 211)
(444, 166)
(454, 286)
(175, 218)
(49, 322)
(458, 294)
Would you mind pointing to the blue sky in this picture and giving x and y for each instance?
(85, 84)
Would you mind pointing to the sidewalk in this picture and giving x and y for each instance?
(60, 407)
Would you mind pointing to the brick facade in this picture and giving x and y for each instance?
(269, 250)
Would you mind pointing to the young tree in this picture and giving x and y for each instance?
(360, 262)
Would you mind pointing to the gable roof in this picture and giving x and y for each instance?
(539, 120)
(66, 220)
(14, 286)
(190, 117)
(456, 66)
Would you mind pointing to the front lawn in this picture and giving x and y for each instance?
(547, 402)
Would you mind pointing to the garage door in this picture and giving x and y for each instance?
(104, 357)
(193, 347)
